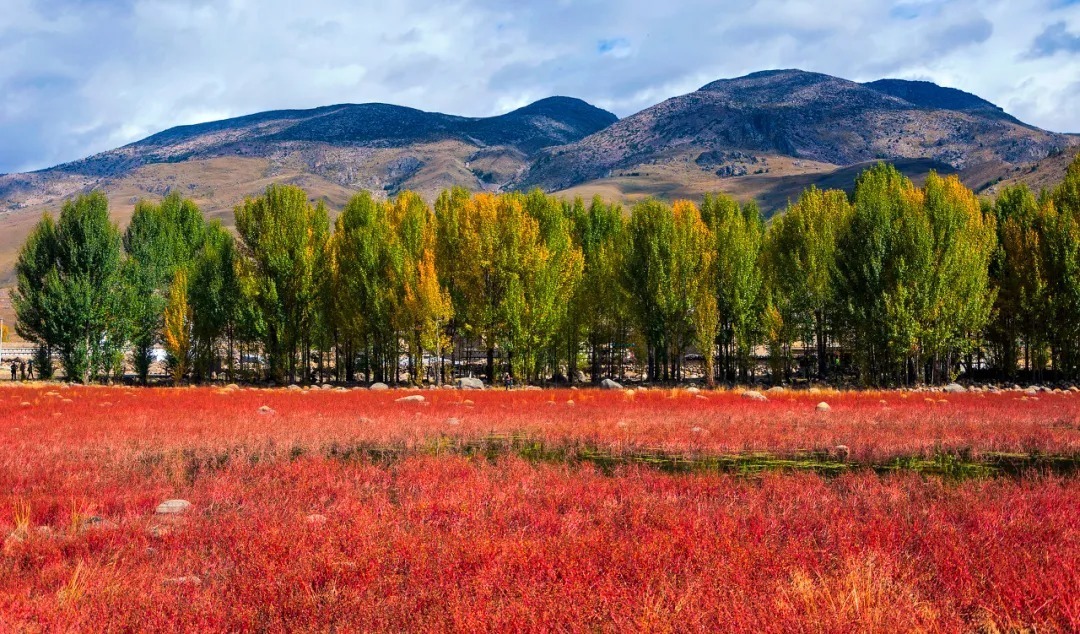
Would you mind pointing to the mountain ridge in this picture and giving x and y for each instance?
(802, 115)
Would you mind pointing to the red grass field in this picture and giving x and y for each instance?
(352, 512)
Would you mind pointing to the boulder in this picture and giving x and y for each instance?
(608, 384)
(823, 407)
(294, 388)
(754, 395)
(266, 410)
(415, 398)
(173, 507)
(469, 383)
(378, 387)
(955, 388)
(693, 390)
(580, 378)
(842, 452)
(775, 390)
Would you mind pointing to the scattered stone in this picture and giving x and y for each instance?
(531, 388)
(842, 452)
(453, 421)
(629, 393)
(327, 386)
(157, 531)
(232, 386)
(315, 519)
(775, 390)
(608, 384)
(697, 430)
(754, 395)
(580, 378)
(173, 507)
(823, 407)
(814, 390)
(1031, 391)
(693, 390)
(415, 398)
(379, 387)
(467, 403)
(955, 388)
(701, 397)
(266, 410)
(294, 388)
(469, 383)
(570, 403)
(96, 522)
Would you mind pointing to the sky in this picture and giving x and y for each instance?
(83, 76)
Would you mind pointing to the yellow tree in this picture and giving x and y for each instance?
(429, 308)
(178, 320)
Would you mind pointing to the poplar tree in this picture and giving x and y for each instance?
(800, 257)
(283, 236)
(598, 308)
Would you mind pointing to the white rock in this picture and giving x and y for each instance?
(469, 383)
(608, 384)
(955, 388)
(754, 395)
(378, 387)
(173, 507)
(823, 407)
(693, 390)
(415, 398)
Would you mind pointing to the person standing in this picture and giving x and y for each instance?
(30, 370)
(14, 371)
(22, 370)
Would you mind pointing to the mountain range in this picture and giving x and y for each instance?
(764, 136)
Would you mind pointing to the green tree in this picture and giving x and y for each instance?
(73, 303)
(160, 240)
(34, 307)
(880, 253)
(598, 310)
(283, 236)
(800, 257)
(739, 233)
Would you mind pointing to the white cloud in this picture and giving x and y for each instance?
(81, 76)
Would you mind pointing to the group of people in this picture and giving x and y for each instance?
(22, 370)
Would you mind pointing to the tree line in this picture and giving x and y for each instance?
(894, 284)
